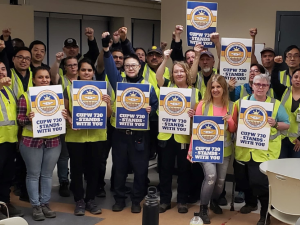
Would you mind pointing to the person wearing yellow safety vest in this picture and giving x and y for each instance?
(216, 103)
(290, 99)
(71, 49)
(8, 141)
(292, 60)
(246, 168)
(130, 146)
(85, 148)
(40, 154)
(170, 145)
(237, 92)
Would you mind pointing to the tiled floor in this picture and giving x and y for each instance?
(65, 206)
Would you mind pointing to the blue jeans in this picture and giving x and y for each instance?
(63, 161)
(40, 163)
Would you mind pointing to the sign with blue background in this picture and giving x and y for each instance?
(131, 103)
(208, 139)
(201, 22)
(89, 110)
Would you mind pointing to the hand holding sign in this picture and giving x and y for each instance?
(231, 83)
(106, 98)
(31, 116)
(190, 156)
(271, 121)
(148, 109)
(191, 112)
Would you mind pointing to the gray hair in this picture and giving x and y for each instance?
(262, 76)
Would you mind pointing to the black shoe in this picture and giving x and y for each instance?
(263, 221)
(248, 209)
(240, 198)
(92, 207)
(204, 214)
(214, 206)
(127, 190)
(2, 216)
(64, 189)
(164, 207)
(182, 208)
(37, 213)
(17, 190)
(118, 207)
(79, 208)
(136, 208)
(24, 198)
(48, 213)
(222, 201)
(12, 211)
(101, 193)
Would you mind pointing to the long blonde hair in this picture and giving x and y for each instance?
(186, 69)
(221, 80)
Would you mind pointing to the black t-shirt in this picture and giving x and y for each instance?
(33, 67)
(295, 105)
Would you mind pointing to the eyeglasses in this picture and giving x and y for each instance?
(290, 56)
(131, 66)
(118, 57)
(69, 47)
(21, 58)
(261, 85)
(254, 71)
(71, 65)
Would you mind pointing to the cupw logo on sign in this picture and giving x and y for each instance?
(208, 132)
(89, 97)
(236, 54)
(255, 117)
(133, 99)
(47, 103)
(201, 17)
(175, 103)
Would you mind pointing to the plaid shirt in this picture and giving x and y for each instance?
(23, 120)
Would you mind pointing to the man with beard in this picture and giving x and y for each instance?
(38, 51)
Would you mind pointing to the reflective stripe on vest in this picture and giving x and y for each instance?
(28, 127)
(6, 121)
(230, 106)
(109, 92)
(244, 92)
(147, 73)
(286, 96)
(284, 78)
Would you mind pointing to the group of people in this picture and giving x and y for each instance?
(88, 149)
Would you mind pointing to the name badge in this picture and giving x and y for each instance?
(298, 116)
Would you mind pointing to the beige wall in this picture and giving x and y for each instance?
(235, 18)
(19, 19)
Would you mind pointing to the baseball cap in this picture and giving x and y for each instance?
(208, 53)
(267, 49)
(70, 42)
(155, 49)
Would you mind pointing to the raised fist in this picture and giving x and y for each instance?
(178, 30)
(278, 59)
(2, 45)
(59, 56)
(215, 37)
(106, 40)
(6, 33)
(5, 81)
(89, 32)
(163, 45)
(167, 53)
(198, 49)
(116, 37)
(123, 33)
(253, 32)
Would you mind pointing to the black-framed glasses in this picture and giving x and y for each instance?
(134, 66)
(21, 58)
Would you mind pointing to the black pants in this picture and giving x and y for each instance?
(197, 177)
(287, 149)
(105, 154)
(153, 138)
(130, 150)
(167, 157)
(84, 159)
(7, 169)
(253, 183)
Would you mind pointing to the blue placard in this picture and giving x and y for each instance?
(208, 139)
(89, 109)
(131, 103)
(201, 22)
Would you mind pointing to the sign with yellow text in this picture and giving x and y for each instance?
(47, 102)
(236, 59)
(253, 128)
(201, 20)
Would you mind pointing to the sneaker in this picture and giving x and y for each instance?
(118, 206)
(12, 211)
(164, 207)
(136, 208)
(101, 193)
(222, 201)
(240, 198)
(204, 214)
(182, 208)
(2, 216)
(248, 209)
(92, 207)
(64, 189)
(214, 206)
(37, 213)
(263, 221)
(48, 213)
(79, 208)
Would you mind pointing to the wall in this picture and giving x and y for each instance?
(235, 18)
(19, 19)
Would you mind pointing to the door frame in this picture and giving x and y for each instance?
(277, 31)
